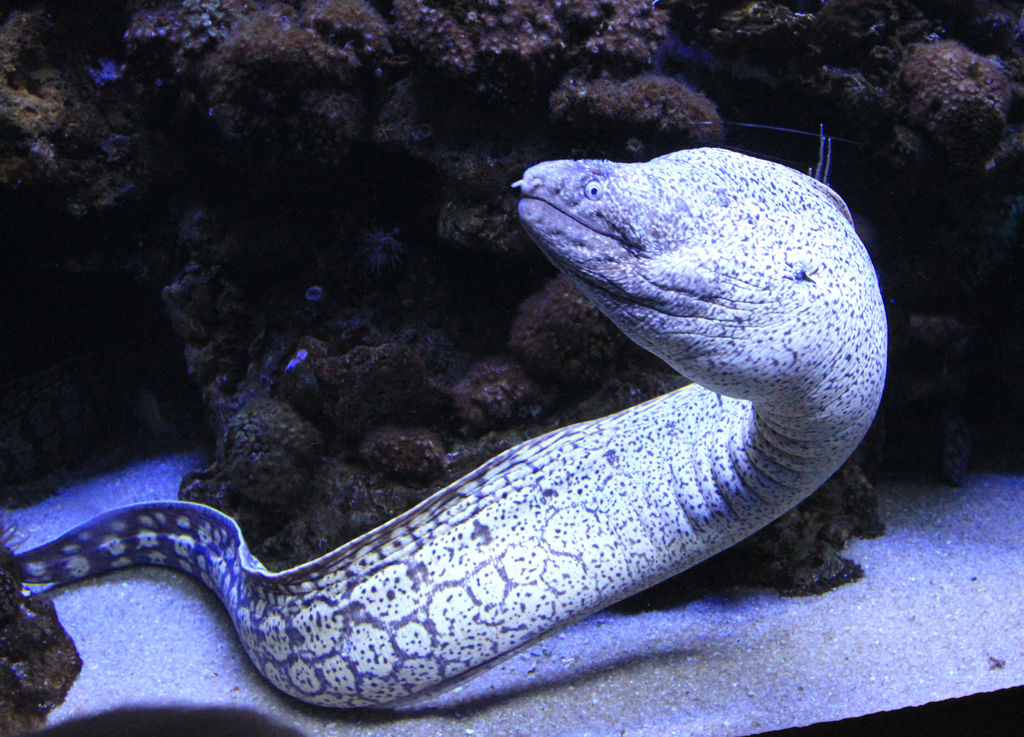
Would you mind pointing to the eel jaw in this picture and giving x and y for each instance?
(594, 259)
(606, 268)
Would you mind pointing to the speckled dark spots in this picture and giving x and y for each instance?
(481, 533)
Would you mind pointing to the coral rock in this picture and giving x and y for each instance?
(646, 105)
(268, 452)
(175, 34)
(286, 81)
(374, 385)
(272, 75)
(214, 319)
(38, 661)
(495, 393)
(861, 32)
(558, 334)
(350, 24)
(411, 453)
(762, 29)
(508, 49)
(69, 132)
(478, 208)
(298, 380)
(348, 500)
(55, 419)
(959, 98)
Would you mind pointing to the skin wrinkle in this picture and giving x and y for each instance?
(675, 293)
(789, 373)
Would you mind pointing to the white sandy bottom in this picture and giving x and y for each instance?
(938, 615)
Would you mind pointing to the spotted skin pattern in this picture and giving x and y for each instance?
(744, 275)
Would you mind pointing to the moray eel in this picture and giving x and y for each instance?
(745, 276)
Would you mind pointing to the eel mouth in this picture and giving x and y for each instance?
(585, 253)
(526, 198)
(604, 263)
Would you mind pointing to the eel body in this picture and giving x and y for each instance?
(744, 275)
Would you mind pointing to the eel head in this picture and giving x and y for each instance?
(744, 275)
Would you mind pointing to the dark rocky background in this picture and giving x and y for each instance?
(285, 232)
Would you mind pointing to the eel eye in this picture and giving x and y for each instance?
(802, 275)
(805, 266)
(593, 190)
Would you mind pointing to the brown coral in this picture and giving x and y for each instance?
(268, 452)
(495, 393)
(352, 25)
(290, 81)
(374, 385)
(66, 133)
(275, 78)
(57, 418)
(559, 334)
(959, 98)
(762, 29)
(211, 316)
(457, 139)
(173, 35)
(865, 32)
(645, 105)
(409, 453)
(509, 49)
(38, 661)
(349, 500)
(469, 39)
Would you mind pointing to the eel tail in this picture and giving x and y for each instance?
(188, 537)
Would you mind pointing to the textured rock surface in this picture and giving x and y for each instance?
(558, 334)
(640, 106)
(512, 49)
(68, 116)
(957, 97)
(38, 661)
